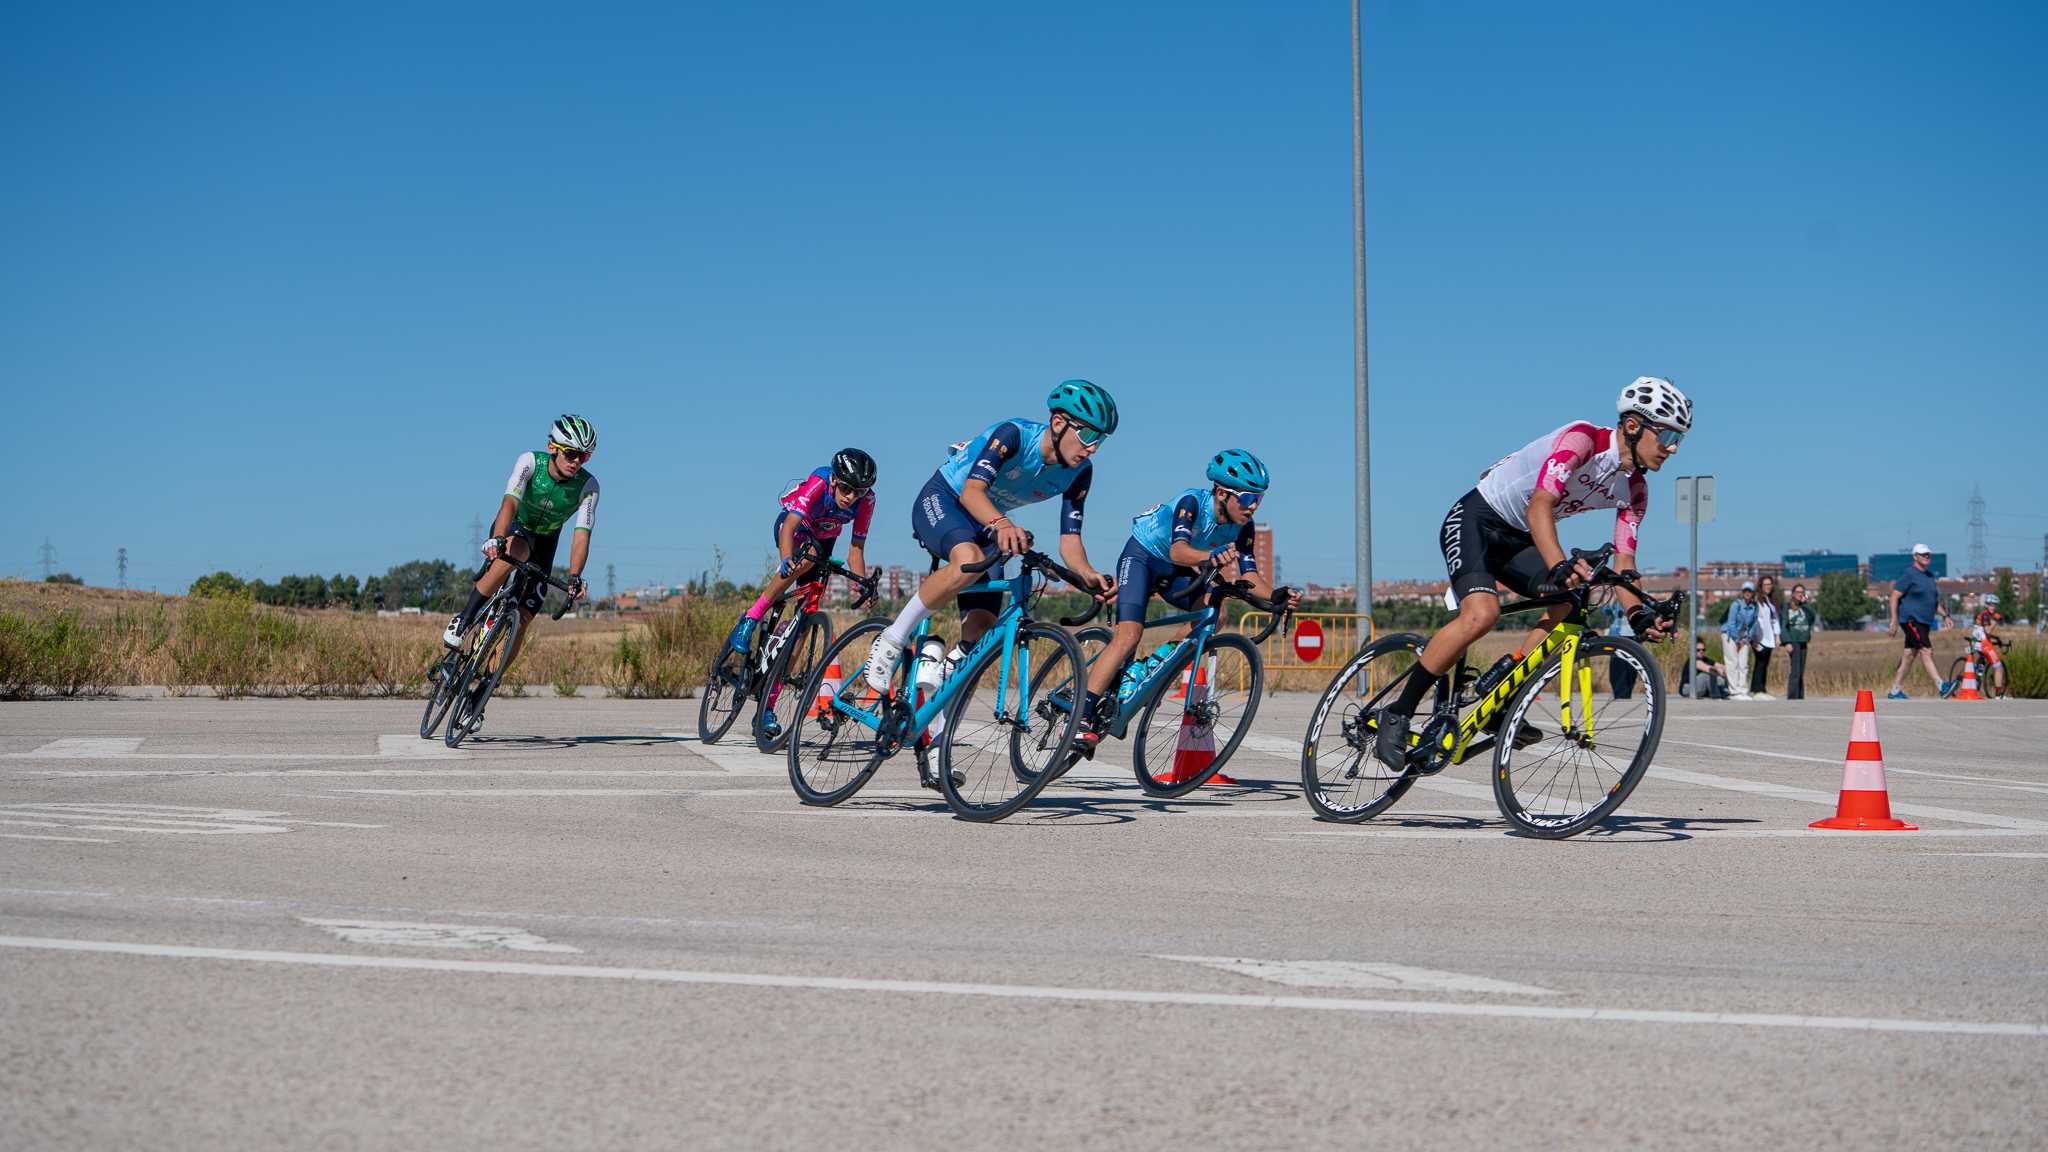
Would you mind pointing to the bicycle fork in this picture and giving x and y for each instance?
(1583, 672)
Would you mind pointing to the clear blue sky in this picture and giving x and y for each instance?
(286, 289)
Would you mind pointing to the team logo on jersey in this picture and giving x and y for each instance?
(1557, 472)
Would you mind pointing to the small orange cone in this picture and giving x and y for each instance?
(835, 678)
(1969, 689)
(1864, 805)
(1194, 747)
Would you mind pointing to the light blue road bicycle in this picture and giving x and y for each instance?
(996, 747)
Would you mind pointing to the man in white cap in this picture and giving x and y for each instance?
(1914, 601)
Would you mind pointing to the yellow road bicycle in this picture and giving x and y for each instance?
(1567, 750)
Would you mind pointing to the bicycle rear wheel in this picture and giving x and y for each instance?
(486, 669)
(782, 697)
(1564, 782)
(1955, 677)
(725, 694)
(1340, 776)
(998, 750)
(1197, 716)
(832, 754)
(446, 676)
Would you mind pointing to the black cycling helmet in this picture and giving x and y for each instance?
(854, 468)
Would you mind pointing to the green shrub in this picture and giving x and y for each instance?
(2026, 671)
(58, 655)
(669, 655)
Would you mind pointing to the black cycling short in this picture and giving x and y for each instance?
(1481, 549)
(540, 552)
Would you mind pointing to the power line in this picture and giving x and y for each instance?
(49, 561)
(121, 565)
(611, 583)
(1977, 562)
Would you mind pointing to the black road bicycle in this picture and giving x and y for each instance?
(465, 677)
(774, 671)
(1558, 769)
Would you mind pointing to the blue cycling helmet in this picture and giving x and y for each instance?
(1084, 402)
(1239, 469)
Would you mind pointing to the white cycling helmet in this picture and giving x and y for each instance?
(573, 432)
(1656, 399)
(1991, 599)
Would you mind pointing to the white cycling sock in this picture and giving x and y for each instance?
(913, 614)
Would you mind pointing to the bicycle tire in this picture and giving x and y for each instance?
(1163, 746)
(446, 674)
(482, 679)
(1955, 678)
(1540, 772)
(1346, 782)
(786, 679)
(724, 696)
(991, 787)
(839, 755)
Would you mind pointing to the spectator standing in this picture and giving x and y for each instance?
(1738, 637)
(1915, 598)
(1621, 675)
(1709, 680)
(1768, 625)
(1799, 621)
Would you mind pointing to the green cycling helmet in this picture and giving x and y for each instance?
(1084, 402)
(1239, 469)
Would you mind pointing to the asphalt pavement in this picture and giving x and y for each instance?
(265, 924)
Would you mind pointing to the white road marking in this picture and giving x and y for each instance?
(408, 746)
(2022, 786)
(66, 839)
(85, 747)
(405, 910)
(2000, 855)
(517, 792)
(1034, 992)
(1828, 799)
(180, 819)
(356, 773)
(740, 758)
(1360, 974)
(1649, 830)
(1986, 781)
(470, 937)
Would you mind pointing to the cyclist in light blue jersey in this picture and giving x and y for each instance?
(1176, 544)
(964, 509)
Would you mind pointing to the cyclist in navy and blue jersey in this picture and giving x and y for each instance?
(1175, 544)
(965, 508)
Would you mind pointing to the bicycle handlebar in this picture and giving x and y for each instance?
(824, 567)
(1033, 559)
(545, 577)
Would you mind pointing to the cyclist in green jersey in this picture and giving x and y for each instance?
(548, 491)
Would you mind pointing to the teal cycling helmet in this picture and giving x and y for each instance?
(1084, 402)
(1239, 469)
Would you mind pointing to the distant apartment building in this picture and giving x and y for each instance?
(1262, 551)
(1886, 567)
(1812, 565)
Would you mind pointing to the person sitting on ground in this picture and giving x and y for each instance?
(1709, 679)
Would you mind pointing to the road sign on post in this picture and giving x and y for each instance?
(1695, 507)
(1308, 641)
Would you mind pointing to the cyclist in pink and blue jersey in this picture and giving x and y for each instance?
(812, 515)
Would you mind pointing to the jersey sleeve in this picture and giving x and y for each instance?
(522, 471)
(1187, 512)
(861, 516)
(1573, 447)
(803, 499)
(1629, 517)
(1074, 499)
(1247, 549)
(1001, 447)
(585, 519)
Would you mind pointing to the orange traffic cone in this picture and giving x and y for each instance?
(1194, 747)
(1864, 805)
(829, 687)
(1969, 689)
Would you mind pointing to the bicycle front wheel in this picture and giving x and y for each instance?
(832, 754)
(1189, 730)
(782, 697)
(1340, 775)
(999, 749)
(447, 677)
(486, 668)
(1581, 750)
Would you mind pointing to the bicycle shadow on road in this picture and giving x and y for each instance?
(563, 743)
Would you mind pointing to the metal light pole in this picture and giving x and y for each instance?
(1361, 410)
(1695, 506)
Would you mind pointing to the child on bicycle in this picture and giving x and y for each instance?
(1173, 548)
(812, 514)
(1984, 634)
(965, 509)
(1505, 532)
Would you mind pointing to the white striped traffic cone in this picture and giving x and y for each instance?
(1864, 804)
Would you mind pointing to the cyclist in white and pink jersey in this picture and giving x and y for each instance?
(1505, 531)
(812, 514)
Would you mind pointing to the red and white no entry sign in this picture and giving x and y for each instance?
(1308, 641)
